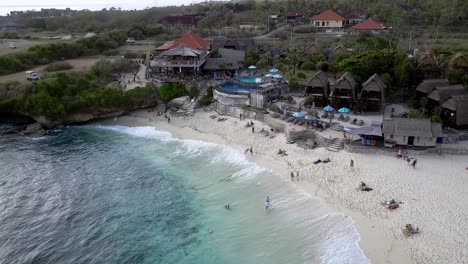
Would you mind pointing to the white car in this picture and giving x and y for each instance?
(32, 76)
(12, 45)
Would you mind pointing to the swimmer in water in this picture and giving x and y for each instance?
(267, 203)
(227, 207)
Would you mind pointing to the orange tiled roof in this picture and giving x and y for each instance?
(190, 40)
(370, 24)
(327, 15)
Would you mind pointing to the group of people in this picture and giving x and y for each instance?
(410, 160)
(167, 118)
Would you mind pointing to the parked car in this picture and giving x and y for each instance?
(32, 76)
(12, 45)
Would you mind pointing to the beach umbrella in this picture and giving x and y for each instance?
(344, 110)
(269, 75)
(329, 108)
(274, 70)
(310, 118)
(278, 76)
(252, 67)
(298, 114)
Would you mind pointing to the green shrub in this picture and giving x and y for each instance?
(171, 91)
(194, 92)
(301, 75)
(308, 66)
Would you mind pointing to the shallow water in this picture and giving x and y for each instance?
(111, 194)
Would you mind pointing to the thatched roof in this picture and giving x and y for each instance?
(319, 79)
(243, 44)
(340, 49)
(459, 105)
(374, 83)
(411, 127)
(313, 49)
(346, 81)
(458, 61)
(229, 60)
(426, 86)
(442, 93)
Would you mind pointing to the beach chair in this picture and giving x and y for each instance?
(360, 123)
(340, 118)
(301, 122)
(284, 117)
(296, 121)
(324, 115)
(289, 120)
(346, 119)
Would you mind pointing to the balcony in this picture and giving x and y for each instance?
(160, 62)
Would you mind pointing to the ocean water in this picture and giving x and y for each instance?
(113, 194)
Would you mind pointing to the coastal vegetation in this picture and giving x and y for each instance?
(47, 53)
(58, 66)
(63, 95)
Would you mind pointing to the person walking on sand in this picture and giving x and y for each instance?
(414, 163)
(168, 120)
(292, 176)
(251, 151)
(253, 129)
(240, 116)
(351, 163)
(267, 203)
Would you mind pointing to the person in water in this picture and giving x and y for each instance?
(227, 206)
(267, 203)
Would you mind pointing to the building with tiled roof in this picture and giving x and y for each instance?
(370, 25)
(184, 21)
(327, 19)
(190, 40)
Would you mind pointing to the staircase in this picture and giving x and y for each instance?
(191, 108)
(336, 145)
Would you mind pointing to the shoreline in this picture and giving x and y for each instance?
(380, 242)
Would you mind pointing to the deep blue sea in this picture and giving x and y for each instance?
(113, 194)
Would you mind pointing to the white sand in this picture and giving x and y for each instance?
(435, 193)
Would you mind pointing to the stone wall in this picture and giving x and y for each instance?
(440, 150)
(231, 99)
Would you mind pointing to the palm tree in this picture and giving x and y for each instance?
(294, 58)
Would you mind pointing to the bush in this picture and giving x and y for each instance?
(308, 66)
(112, 52)
(194, 92)
(301, 75)
(58, 66)
(171, 91)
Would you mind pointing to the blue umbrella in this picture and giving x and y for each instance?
(344, 110)
(311, 118)
(298, 114)
(274, 70)
(329, 108)
(278, 76)
(269, 75)
(252, 67)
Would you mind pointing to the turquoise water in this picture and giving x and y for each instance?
(231, 87)
(113, 194)
(248, 79)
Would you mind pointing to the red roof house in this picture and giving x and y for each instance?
(328, 19)
(189, 40)
(371, 25)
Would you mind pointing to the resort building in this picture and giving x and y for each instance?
(370, 26)
(318, 86)
(353, 18)
(186, 54)
(440, 94)
(223, 60)
(294, 18)
(455, 111)
(411, 132)
(372, 97)
(343, 94)
(327, 19)
(426, 86)
(244, 44)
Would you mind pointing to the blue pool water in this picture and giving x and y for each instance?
(231, 87)
(248, 79)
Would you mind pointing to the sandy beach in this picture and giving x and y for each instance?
(433, 194)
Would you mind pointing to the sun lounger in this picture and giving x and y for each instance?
(284, 117)
(324, 115)
(289, 120)
(340, 118)
(360, 123)
(346, 119)
(296, 121)
(301, 122)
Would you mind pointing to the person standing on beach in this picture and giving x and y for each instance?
(168, 120)
(351, 163)
(253, 129)
(414, 163)
(292, 176)
(240, 116)
(251, 151)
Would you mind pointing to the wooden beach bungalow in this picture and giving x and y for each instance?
(426, 86)
(455, 111)
(339, 50)
(343, 94)
(312, 50)
(318, 86)
(440, 94)
(372, 97)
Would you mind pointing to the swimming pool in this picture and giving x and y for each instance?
(231, 87)
(250, 79)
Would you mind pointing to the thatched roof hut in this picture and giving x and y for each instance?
(374, 84)
(345, 82)
(340, 49)
(442, 93)
(426, 86)
(458, 62)
(313, 49)
(459, 105)
(319, 79)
